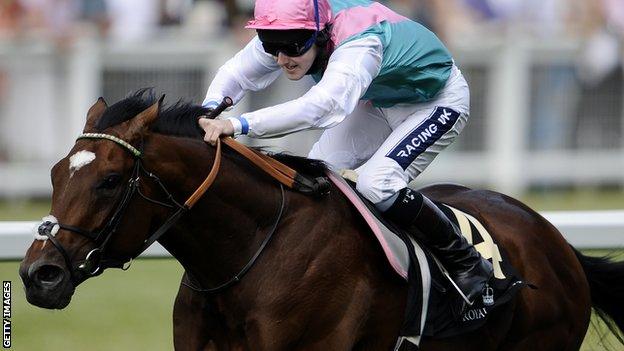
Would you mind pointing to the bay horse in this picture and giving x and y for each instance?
(321, 282)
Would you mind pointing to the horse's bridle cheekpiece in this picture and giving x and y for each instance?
(95, 263)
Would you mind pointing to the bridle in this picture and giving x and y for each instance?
(95, 263)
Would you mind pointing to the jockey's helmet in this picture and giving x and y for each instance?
(291, 27)
(291, 14)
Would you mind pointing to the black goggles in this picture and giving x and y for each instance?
(291, 49)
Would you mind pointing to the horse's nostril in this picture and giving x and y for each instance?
(49, 275)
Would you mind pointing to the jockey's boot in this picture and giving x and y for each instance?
(429, 225)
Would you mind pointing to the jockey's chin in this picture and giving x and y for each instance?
(296, 67)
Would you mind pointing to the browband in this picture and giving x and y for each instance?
(117, 140)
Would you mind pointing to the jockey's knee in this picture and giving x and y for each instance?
(380, 184)
(336, 158)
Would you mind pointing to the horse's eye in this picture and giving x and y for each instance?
(110, 182)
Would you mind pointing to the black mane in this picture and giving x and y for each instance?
(180, 120)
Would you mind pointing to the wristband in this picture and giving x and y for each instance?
(244, 125)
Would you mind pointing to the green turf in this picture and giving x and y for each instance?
(23, 209)
(117, 311)
(582, 199)
(599, 338)
(120, 311)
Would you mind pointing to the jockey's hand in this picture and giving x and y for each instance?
(215, 128)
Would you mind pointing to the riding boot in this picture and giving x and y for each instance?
(422, 219)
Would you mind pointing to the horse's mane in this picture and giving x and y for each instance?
(180, 119)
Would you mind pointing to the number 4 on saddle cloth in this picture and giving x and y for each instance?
(432, 308)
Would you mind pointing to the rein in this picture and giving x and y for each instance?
(279, 171)
(235, 279)
(94, 262)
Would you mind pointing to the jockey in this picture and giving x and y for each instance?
(387, 94)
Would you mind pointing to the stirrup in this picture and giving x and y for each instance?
(461, 293)
(448, 276)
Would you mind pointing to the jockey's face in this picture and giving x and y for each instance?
(296, 67)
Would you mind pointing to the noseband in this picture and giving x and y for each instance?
(94, 262)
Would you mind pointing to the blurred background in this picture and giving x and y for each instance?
(546, 79)
(547, 120)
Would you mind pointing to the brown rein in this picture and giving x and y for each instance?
(277, 170)
(199, 192)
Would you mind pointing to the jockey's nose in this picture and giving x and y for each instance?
(282, 59)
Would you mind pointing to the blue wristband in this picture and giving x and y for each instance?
(244, 125)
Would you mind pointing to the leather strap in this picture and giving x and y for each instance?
(277, 170)
(208, 181)
(272, 167)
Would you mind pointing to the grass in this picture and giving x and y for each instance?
(583, 199)
(599, 337)
(117, 311)
(23, 209)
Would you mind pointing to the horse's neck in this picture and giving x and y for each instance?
(218, 236)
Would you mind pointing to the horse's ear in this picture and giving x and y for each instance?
(144, 120)
(95, 112)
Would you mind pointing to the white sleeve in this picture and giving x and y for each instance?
(250, 69)
(350, 70)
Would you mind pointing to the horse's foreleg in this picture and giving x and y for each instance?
(191, 321)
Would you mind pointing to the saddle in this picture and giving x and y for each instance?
(433, 304)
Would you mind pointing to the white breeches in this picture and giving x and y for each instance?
(389, 147)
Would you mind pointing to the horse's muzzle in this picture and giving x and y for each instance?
(47, 285)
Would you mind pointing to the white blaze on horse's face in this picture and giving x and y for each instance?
(79, 160)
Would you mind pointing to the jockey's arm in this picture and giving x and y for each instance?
(350, 70)
(251, 69)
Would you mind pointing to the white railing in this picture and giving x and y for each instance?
(582, 229)
(16, 237)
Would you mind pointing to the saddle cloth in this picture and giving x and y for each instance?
(432, 305)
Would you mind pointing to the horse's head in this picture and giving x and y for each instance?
(88, 230)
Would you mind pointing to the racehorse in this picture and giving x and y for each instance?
(320, 283)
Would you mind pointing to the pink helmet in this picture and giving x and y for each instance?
(290, 14)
